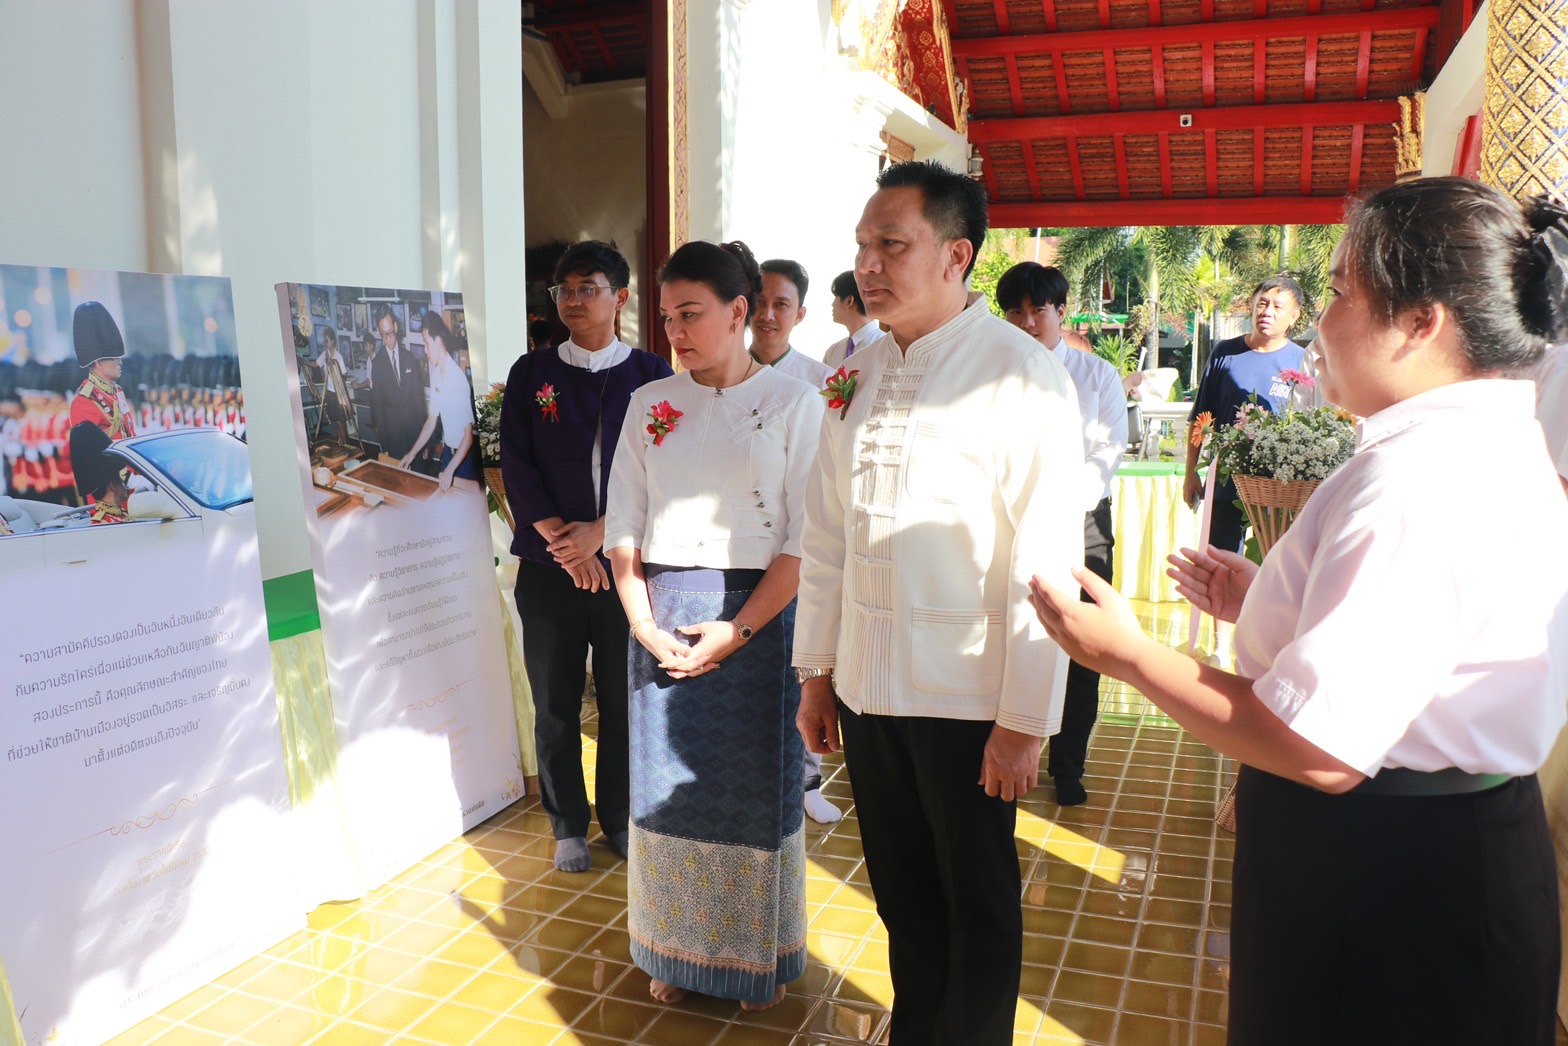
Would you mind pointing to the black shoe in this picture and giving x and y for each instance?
(1070, 791)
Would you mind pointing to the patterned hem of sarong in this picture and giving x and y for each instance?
(716, 877)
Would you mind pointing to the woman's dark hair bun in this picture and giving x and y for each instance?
(1542, 280)
(748, 263)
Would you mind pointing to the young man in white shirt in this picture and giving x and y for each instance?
(780, 307)
(1034, 299)
(939, 486)
(849, 312)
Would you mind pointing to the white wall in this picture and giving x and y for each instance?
(72, 180)
(370, 142)
(586, 171)
(1454, 97)
(793, 157)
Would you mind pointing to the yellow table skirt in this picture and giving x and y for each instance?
(1150, 521)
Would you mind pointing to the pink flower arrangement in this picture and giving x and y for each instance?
(1294, 378)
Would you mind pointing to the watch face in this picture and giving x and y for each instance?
(745, 631)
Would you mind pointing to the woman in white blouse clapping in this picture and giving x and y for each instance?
(1398, 682)
(706, 509)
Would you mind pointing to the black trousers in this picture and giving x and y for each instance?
(1389, 920)
(944, 870)
(1081, 707)
(1227, 520)
(560, 623)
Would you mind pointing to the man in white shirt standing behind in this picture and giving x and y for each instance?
(849, 312)
(1034, 298)
(939, 486)
(780, 306)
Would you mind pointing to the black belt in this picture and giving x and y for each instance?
(1399, 780)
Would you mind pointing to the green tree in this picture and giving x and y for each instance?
(1163, 258)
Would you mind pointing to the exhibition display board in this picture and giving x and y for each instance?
(403, 567)
(148, 841)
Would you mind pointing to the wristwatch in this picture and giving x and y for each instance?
(803, 674)
(744, 630)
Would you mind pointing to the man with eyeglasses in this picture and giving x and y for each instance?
(397, 387)
(560, 422)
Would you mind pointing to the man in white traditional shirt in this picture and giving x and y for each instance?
(1034, 299)
(849, 312)
(780, 307)
(940, 486)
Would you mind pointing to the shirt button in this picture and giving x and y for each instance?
(762, 504)
(754, 413)
(701, 543)
(767, 523)
(759, 424)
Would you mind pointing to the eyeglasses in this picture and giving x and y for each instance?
(583, 292)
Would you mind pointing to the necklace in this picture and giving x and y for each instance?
(718, 390)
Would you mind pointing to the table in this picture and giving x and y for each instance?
(1149, 521)
(1159, 414)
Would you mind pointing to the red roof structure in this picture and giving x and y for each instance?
(594, 40)
(1190, 112)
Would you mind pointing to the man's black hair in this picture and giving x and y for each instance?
(1041, 284)
(955, 203)
(591, 256)
(792, 271)
(844, 286)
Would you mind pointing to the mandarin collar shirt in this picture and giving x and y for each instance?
(939, 492)
(1384, 628)
(594, 361)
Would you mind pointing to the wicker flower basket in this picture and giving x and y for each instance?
(1272, 505)
(497, 487)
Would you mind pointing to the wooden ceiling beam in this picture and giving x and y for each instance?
(1004, 21)
(1357, 137)
(1228, 210)
(1050, 16)
(1256, 29)
(1157, 56)
(1113, 94)
(1363, 64)
(1165, 165)
(1063, 102)
(1418, 58)
(1257, 161)
(1310, 79)
(1015, 86)
(1075, 167)
(602, 14)
(1260, 68)
(1306, 160)
(1120, 150)
(1222, 118)
(1211, 164)
(1208, 72)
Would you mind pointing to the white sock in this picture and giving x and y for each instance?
(820, 810)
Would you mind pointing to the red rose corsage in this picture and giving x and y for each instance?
(545, 397)
(662, 419)
(840, 391)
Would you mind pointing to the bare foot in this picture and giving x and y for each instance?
(758, 1007)
(665, 993)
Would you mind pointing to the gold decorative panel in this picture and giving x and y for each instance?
(1526, 124)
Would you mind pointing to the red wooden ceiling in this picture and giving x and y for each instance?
(1078, 106)
(596, 40)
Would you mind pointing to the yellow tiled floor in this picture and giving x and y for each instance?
(1126, 904)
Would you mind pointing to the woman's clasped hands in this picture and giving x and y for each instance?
(715, 640)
